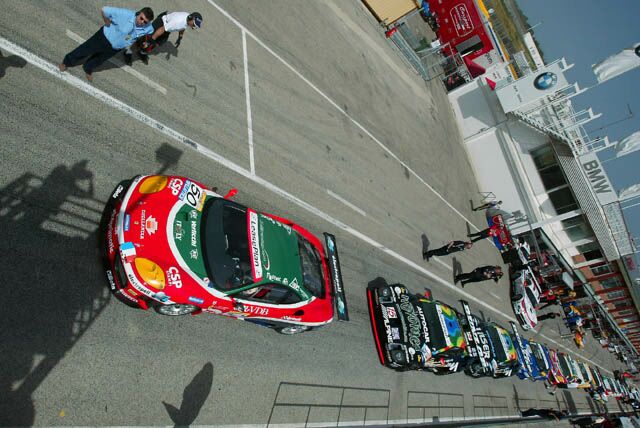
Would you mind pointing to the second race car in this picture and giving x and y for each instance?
(414, 332)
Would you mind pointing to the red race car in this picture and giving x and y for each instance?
(175, 246)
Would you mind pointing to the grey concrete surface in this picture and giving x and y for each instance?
(368, 130)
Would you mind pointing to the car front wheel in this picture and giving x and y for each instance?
(176, 309)
(292, 329)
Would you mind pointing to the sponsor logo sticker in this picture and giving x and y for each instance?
(197, 300)
(173, 276)
(175, 185)
(112, 283)
(254, 246)
(395, 333)
(127, 222)
(391, 312)
(151, 225)
(177, 230)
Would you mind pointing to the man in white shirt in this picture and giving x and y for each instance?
(163, 25)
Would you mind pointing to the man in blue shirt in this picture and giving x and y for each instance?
(121, 28)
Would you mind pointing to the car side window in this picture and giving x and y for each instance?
(271, 293)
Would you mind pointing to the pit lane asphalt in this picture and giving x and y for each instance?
(74, 356)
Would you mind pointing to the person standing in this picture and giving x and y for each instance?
(548, 315)
(121, 28)
(476, 236)
(479, 274)
(451, 247)
(490, 204)
(163, 25)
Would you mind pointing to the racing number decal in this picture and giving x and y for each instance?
(192, 194)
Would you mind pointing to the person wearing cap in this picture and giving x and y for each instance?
(163, 25)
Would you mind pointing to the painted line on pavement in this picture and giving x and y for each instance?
(247, 93)
(75, 37)
(337, 107)
(160, 127)
(347, 203)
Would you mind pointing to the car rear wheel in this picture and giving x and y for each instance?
(176, 309)
(292, 329)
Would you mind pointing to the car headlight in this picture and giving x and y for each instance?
(153, 184)
(385, 295)
(398, 354)
(150, 273)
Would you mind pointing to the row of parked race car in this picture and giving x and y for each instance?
(173, 245)
(416, 332)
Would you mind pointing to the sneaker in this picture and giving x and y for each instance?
(425, 256)
(128, 59)
(62, 67)
(89, 77)
(145, 59)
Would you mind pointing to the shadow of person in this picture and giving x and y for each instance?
(425, 243)
(456, 266)
(10, 61)
(49, 269)
(193, 398)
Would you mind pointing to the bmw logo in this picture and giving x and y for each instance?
(545, 81)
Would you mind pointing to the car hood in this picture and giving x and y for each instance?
(159, 235)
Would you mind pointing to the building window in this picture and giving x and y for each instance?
(616, 294)
(563, 200)
(601, 270)
(590, 251)
(577, 228)
(624, 313)
(610, 283)
(619, 305)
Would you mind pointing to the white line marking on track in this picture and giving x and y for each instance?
(75, 37)
(160, 127)
(248, 100)
(495, 295)
(442, 263)
(347, 203)
(340, 109)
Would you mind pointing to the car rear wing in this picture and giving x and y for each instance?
(477, 341)
(525, 355)
(339, 300)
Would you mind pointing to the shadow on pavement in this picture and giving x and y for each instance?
(10, 61)
(193, 398)
(53, 287)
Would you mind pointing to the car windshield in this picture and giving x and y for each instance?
(494, 336)
(311, 267)
(537, 353)
(226, 244)
(531, 296)
(564, 367)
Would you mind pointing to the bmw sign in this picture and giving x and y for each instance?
(545, 81)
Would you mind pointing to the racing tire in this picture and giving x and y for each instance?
(293, 329)
(475, 370)
(175, 310)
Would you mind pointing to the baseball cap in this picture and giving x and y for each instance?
(197, 19)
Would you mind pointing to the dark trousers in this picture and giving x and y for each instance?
(442, 251)
(97, 48)
(547, 316)
(479, 235)
(474, 276)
